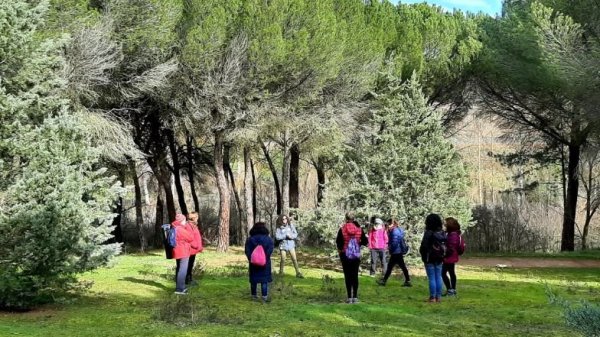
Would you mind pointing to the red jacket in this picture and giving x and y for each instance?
(196, 245)
(453, 244)
(184, 238)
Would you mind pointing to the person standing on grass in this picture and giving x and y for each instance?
(259, 235)
(195, 247)
(456, 247)
(433, 251)
(350, 234)
(378, 241)
(181, 253)
(286, 235)
(397, 250)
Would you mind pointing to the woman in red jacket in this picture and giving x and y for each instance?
(195, 247)
(350, 264)
(181, 252)
(455, 246)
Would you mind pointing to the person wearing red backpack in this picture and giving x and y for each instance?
(259, 272)
(349, 239)
(181, 252)
(456, 246)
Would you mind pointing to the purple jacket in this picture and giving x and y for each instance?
(452, 244)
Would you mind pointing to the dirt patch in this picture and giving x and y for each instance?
(520, 262)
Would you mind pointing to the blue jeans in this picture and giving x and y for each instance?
(263, 288)
(434, 275)
(182, 265)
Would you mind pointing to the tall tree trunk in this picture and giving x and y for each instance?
(190, 170)
(158, 219)
(249, 212)
(176, 171)
(254, 201)
(285, 174)
(238, 203)
(275, 178)
(223, 235)
(139, 212)
(295, 176)
(118, 210)
(568, 231)
(321, 181)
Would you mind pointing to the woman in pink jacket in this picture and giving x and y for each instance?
(378, 240)
(456, 247)
(196, 246)
(181, 252)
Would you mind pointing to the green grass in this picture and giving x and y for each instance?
(126, 297)
(577, 255)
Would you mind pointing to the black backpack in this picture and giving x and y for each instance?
(439, 249)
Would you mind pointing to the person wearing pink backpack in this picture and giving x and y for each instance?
(259, 248)
(456, 247)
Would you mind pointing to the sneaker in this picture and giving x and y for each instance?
(299, 275)
(254, 298)
(355, 300)
(407, 284)
(438, 300)
(184, 292)
(381, 282)
(431, 300)
(266, 299)
(349, 300)
(451, 292)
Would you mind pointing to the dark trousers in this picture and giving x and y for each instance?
(396, 259)
(448, 269)
(378, 255)
(350, 268)
(188, 277)
(263, 288)
(180, 272)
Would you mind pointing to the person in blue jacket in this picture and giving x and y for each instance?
(259, 235)
(286, 234)
(397, 250)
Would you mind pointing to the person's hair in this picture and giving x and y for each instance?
(349, 216)
(452, 225)
(433, 222)
(193, 217)
(279, 220)
(393, 222)
(259, 228)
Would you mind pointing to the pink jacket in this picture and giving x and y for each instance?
(196, 246)
(184, 238)
(378, 238)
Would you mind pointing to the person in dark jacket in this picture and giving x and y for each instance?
(455, 241)
(432, 251)
(350, 230)
(259, 235)
(395, 243)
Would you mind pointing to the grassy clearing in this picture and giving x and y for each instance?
(127, 298)
(582, 255)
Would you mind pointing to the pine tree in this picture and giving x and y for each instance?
(54, 198)
(402, 166)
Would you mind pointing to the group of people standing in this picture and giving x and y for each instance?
(439, 251)
(188, 243)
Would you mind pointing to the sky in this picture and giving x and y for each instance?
(491, 7)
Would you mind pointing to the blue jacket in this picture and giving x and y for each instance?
(261, 237)
(395, 240)
(286, 235)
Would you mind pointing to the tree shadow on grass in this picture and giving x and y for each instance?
(145, 282)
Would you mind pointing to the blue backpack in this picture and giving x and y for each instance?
(170, 235)
(404, 247)
(353, 250)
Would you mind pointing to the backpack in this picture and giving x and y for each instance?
(438, 250)
(258, 257)
(172, 237)
(404, 247)
(461, 245)
(169, 242)
(353, 249)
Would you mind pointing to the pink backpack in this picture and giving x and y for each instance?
(258, 257)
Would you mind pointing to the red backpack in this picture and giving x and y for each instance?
(258, 257)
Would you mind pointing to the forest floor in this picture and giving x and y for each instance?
(134, 297)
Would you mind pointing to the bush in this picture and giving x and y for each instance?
(583, 317)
